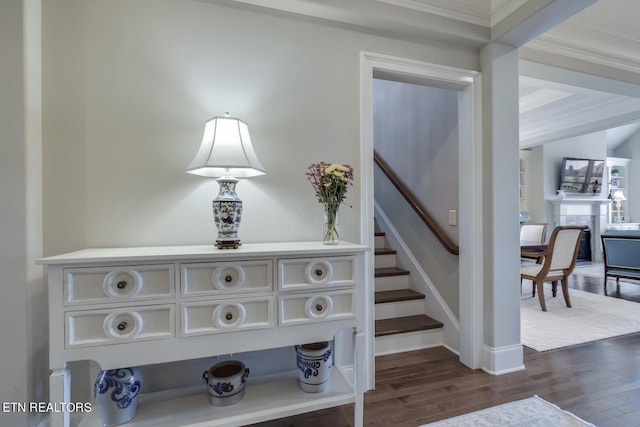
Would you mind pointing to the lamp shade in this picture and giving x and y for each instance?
(618, 196)
(226, 150)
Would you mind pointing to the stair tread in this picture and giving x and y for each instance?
(382, 297)
(385, 251)
(390, 271)
(401, 325)
(379, 233)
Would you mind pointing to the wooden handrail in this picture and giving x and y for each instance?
(418, 207)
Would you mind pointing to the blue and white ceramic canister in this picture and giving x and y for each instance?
(314, 366)
(226, 382)
(116, 392)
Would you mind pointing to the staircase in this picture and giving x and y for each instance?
(401, 324)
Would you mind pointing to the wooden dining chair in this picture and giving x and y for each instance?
(559, 261)
(533, 233)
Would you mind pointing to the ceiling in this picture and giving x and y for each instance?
(605, 34)
(600, 42)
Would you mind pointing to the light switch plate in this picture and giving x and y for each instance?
(453, 217)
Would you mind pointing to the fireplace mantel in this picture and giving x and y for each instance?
(591, 211)
(579, 200)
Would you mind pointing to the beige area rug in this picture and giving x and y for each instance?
(591, 317)
(531, 412)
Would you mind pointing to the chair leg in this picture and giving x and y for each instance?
(565, 291)
(554, 288)
(539, 285)
(533, 289)
(605, 284)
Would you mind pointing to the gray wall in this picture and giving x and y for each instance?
(416, 132)
(128, 85)
(591, 146)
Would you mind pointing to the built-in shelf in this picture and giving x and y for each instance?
(267, 397)
(617, 170)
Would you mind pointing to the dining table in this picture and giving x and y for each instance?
(535, 250)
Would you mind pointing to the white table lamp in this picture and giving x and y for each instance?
(226, 152)
(618, 197)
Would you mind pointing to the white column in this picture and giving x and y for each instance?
(502, 350)
(24, 366)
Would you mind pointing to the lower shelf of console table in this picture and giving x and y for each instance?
(266, 398)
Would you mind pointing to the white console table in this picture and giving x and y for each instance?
(126, 307)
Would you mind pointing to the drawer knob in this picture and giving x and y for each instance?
(229, 316)
(318, 307)
(227, 277)
(123, 325)
(122, 283)
(318, 272)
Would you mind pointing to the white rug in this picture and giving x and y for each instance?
(592, 317)
(531, 412)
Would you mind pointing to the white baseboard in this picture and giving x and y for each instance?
(502, 360)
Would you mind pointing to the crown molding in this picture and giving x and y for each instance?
(505, 9)
(452, 9)
(560, 47)
(604, 31)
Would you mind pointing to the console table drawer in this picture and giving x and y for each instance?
(224, 277)
(118, 326)
(116, 284)
(227, 316)
(317, 307)
(316, 272)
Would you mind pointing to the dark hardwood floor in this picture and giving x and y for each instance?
(629, 289)
(598, 381)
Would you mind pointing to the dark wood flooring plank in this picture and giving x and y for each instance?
(598, 381)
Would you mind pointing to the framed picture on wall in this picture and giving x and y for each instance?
(581, 175)
(615, 182)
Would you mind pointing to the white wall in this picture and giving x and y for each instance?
(22, 295)
(416, 132)
(128, 84)
(126, 96)
(591, 146)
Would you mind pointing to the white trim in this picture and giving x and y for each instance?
(555, 46)
(505, 10)
(497, 358)
(470, 212)
(471, 225)
(451, 9)
(367, 230)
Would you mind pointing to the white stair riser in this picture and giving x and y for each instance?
(392, 310)
(399, 343)
(380, 241)
(385, 261)
(391, 283)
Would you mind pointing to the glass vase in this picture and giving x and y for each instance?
(331, 235)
